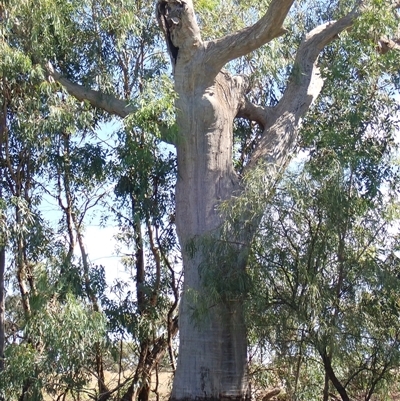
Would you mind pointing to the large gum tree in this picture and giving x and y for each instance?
(212, 361)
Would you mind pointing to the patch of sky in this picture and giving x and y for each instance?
(99, 229)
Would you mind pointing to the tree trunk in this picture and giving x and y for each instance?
(2, 307)
(326, 388)
(332, 376)
(213, 352)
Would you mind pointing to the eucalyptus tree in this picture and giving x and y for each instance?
(30, 118)
(102, 53)
(212, 354)
(70, 164)
(144, 210)
(326, 272)
(324, 260)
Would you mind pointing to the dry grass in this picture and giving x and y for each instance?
(161, 386)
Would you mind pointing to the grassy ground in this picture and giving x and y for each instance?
(164, 387)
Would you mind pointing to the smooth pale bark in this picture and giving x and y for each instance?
(212, 354)
(98, 99)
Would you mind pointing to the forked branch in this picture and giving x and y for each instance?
(256, 113)
(232, 46)
(306, 83)
(303, 88)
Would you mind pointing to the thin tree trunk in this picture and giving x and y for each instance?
(299, 364)
(21, 269)
(2, 306)
(74, 225)
(333, 378)
(3, 128)
(150, 350)
(326, 388)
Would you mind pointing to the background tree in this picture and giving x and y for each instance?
(62, 299)
(326, 250)
(325, 282)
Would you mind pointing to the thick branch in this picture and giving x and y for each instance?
(253, 112)
(271, 393)
(108, 103)
(303, 88)
(232, 46)
(97, 99)
(306, 83)
(182, 34)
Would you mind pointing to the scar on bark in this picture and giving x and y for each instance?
(167, 21)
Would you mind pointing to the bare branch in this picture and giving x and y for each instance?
(271, 393)
(385, 45)
(303, 88)
(97, 99)
(108, 103)
(232, 46)
(256, 113)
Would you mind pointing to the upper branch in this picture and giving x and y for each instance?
(306, 83)
(270, 26)
(385, 45)
(97, 99)
(304, 86)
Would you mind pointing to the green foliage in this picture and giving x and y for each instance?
(327, 242)
(323, 250)
(325, 253)
(55, 153)
(155, 111)
(20, 365)
(205, 5)
(57, 166)
(59, 351)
